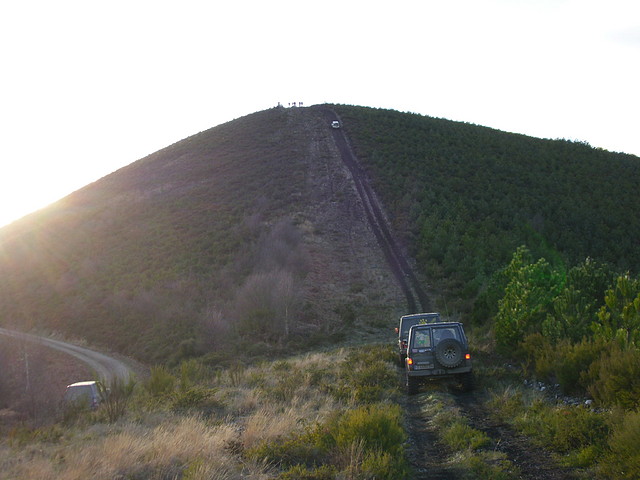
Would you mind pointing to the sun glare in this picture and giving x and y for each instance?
(15, 203)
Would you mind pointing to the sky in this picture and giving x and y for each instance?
(87, 87)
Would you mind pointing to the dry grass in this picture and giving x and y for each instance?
(161, 444)
(279, 421)
(131, 451)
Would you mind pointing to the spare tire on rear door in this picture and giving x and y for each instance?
(449, 353)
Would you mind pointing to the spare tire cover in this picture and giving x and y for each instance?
(449, 353)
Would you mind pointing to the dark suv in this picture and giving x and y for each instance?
(435, 351)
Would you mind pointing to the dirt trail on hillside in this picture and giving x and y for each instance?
(428, 458)
(106, 368)
(417, 299)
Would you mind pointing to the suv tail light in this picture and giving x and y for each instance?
(409, 361)
(467, 356)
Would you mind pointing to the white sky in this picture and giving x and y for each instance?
(87, 87)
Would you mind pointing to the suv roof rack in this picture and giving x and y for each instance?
(429, 317)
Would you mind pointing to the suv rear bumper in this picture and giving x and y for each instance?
(439, 372)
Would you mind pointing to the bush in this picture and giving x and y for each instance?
(484, 467)
(116, 398)
(382, 466)
(564, 429)
(161, 382)
(367, 442)
(574, 362)
(300, 451)
(615, 378)
(196, 397)
(300, 472)
(460, 436)
(366, 376)
(506, 404)
(623, 460)
(527, 299)
(538, 355)
(379, 427)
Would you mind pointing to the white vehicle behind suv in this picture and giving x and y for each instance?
(83, 395)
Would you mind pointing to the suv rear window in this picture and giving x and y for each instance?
(440, 334)
(422, 339)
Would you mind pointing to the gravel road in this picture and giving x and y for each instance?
(106, 368)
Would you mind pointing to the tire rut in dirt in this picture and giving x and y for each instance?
(533, 462)
(427, 458)
(417, 300)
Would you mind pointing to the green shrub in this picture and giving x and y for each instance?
(366, 376)
(236, 374)
(192, 371)
(379, 427)
(300, 472)
(303, 450)
(538, 355)
(367, 442)
(196, 397)
(383, 466)
(460, 436)
(623, 460)
(615, 377)
(284, 387)
(527, 299)
(507, 404)
(115, 398)
(584, 457)
(161, 382)
(483, 467)
(22, 435)
(574, 362)
(564, 429)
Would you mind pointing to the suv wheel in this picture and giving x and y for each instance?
(449, 353)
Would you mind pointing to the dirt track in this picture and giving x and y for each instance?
(417, 299)
(107, 368)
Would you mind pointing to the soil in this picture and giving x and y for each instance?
(428, 458)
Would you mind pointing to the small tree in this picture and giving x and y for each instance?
(531, 289)
(619, 317)
(576, 308)
(115, 398)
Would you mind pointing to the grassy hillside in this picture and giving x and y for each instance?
(467, 196)
(243, 237)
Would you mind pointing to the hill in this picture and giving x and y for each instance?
(250, 236)
(250, 241)
(247, 236)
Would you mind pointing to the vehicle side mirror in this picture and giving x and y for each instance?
(397, 330)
